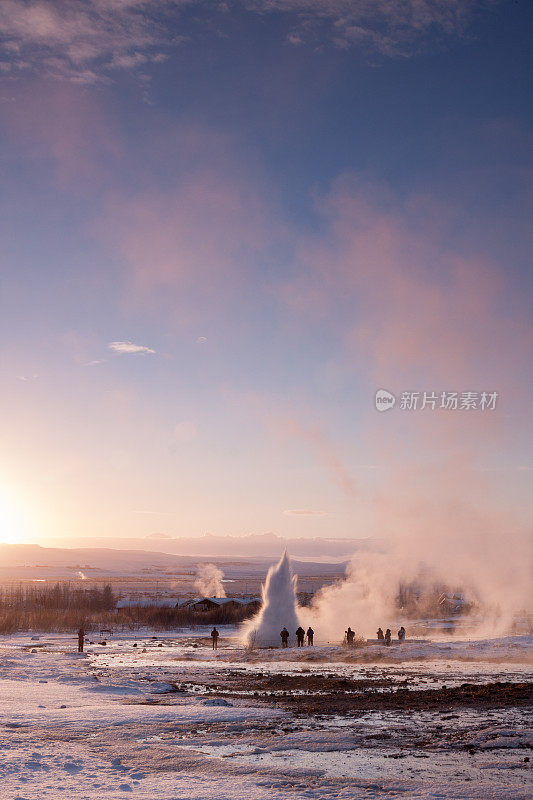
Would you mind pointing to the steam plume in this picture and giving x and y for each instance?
(209, 581)
(431, 544)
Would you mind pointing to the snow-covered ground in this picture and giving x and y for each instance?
(110, 723)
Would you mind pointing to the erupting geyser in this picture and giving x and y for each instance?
(279, 607)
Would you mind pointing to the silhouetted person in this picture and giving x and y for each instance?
(310, 637)
(300, 633)
(214, 636)
(401, 634)
(387, 636)
(349, 637)
(81, 639)
(380, 635)
(284, 637)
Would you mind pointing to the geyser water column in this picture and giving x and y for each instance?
(279, 608)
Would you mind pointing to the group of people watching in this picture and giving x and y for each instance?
(387, 636)
(300, 635)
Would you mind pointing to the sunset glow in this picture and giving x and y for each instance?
(12, 527)
(205, 283)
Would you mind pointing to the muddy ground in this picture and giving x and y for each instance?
(323, 695)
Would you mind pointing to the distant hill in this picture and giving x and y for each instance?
(267, 545)
(31, 561)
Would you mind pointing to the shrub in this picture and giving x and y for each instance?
(63, 608)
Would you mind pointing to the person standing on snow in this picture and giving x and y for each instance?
(310, 636)
(284, 637)
(81, 639)
(214, 636)
(300, 633)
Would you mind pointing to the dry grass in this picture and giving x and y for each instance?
(359, 641)
(53, 620)
(60, 608)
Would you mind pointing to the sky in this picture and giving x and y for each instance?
(225, 226)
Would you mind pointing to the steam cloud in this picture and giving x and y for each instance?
(209, 581)
(431, 544)
(424, 311)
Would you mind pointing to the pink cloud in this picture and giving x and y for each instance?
(408, 304)
(65, 126)
(197, 244)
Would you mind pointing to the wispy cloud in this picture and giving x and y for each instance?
(84, 40)
(286, 423)
(88, 40)
(303, 512)
(389, 28)
(129, 347)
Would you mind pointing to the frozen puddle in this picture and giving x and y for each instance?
(364, 765)
(466, 747)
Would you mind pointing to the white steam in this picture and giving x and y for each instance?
(209, 581)
(454, 549)
(279, 607)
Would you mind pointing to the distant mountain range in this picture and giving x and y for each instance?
(33, 562)
(267, 545)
